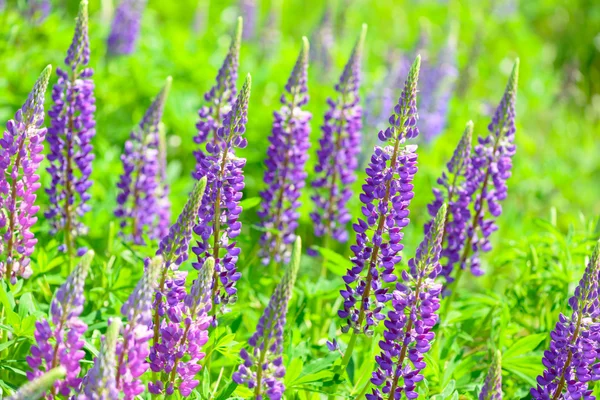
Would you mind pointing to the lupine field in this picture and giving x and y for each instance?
(277, 199)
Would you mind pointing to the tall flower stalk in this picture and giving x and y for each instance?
(262, 369)
(386, 196)
(133, 350)
(140, 187)
(492, 387)
(70, 140)
(59, 341)
(218, 225)
(20, 157)
(125, 28)
(219, 100)
(571, 361)
(489, 169)
(178, 354)
(285, 174)
(453, 192)
(338, 150)
(409, 325)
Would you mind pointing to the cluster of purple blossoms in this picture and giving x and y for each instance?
(219, 100)
(285, 174)
(409, 325)
(455, 195)
(38, 10)
(218, 225)
(100, 383)
(338, 151)
(34, 389)
(70, 140)
(60, 342)
(176, 357)
(141, 194)
(492, 387)
(133, 349)
(20, 156)
(387, 193)
(125, 27)
(262, 369)
(571, 361)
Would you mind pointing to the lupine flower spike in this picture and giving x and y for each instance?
(286, 158)
(70, 140)
(174, 249)
(100, 381)
(133, 350)
(59, 341)
(140, 190)
(36, 388)
(183, 334)
(250, 10)
(218, 225)
(38, 10)
(454, 193)
(125, 28)
(409, 325)
(262, 369)
(387, 193)
(338, 151)
(571, 361)
(492, 387)
(20, 157)
(489, 169)
(219, 99)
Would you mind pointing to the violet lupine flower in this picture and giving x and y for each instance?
(176, 357)
(286, 158)
(492, 387)
(36, 388)
(219, 100)
(262, 368)
(490, 168)
(571, 361)
(218, 225)
(455, 195)
(38, 10)
(249, 10)
(59, 341)
(20, 157)
(133, 350)
(140, 190)
(409, 325)
(100, 382)
(338, 151)
(70, 140)
(125, 28)
(386, 196)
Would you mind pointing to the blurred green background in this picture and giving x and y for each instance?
(549, 218)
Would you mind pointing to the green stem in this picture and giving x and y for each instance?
(345, 360)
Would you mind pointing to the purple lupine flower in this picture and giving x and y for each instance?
(36, 388)
(249, 11)
(176, 357)
(409, 325)
(455, 195)
(100, 382)
(262, 369)
(285, 175)
(174, 248)
(571, 361)
(490, 168)
(218, 225)
(323, 41)
(338, 150)
(70, 140)
(492, 387)
(38, 10)
(386, 196)
(219, 100)
(139, 187)
(20, 157)
(133, 350)
(125, 28)
(59, 341)
(163, 202)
